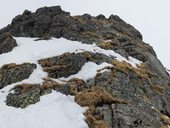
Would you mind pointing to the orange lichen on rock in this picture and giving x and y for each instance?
(158, 88)
(105, 45)
(50, 84)
(164, 126)
(25, 87)
(165, 119)
(141, 70)
(75, 85)
(95, 96)
(8, 66)
(93, 123)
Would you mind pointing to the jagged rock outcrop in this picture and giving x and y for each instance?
(12, 73)
(112, 33)
(136, 88)
(123, 97)
(7, 43)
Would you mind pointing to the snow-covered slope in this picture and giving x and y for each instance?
(55, 109)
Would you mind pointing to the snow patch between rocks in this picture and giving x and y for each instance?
(89, 70)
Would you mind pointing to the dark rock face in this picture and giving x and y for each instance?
(124, 97)
(7, 43)
(55, 22)
(146, 98)
(98, 58)
(64, 65)
(155, 65)
(12, 73)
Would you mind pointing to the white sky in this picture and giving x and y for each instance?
(150, 17)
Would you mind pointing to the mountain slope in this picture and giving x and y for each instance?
(102, 62)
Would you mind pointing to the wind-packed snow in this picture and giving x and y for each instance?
(54, 110)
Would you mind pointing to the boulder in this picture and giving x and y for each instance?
(12, 73)
(64, 65)
(7, 43)
(24, 95)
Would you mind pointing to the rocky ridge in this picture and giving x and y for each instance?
(122, 97)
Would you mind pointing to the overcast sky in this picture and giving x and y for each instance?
(150, 17)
